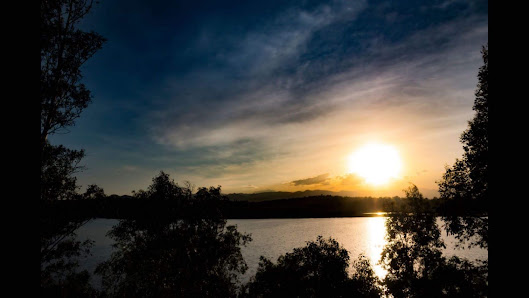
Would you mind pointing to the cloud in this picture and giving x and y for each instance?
(320, 179)
(251, 187)
(249, 102)
(257, 106)
(277, 44)
(348, 180)
(255, 74)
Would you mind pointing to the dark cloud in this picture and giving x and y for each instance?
(320, 179)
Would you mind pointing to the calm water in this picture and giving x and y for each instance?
(274, 237)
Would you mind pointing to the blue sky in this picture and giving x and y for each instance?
(255, 95)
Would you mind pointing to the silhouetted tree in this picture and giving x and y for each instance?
(164, 188)
(63, 50)
(363, 282)
(195, 255)
(94, 192)
(58, 164)
(180, 258)
(317, 270)
(464, 186)
(414, 260)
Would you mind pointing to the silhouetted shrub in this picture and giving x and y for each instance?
(317, 270)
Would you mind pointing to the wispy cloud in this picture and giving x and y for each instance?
(263, 108)
(256, 103)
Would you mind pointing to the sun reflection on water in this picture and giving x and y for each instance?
(376, 232)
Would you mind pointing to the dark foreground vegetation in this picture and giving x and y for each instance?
(196, 254)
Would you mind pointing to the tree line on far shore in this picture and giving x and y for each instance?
(95, 204)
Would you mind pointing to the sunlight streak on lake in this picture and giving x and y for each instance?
(377, 234)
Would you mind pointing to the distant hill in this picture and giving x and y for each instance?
(278, 195)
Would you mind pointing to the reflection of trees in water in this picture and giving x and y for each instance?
(414, 260)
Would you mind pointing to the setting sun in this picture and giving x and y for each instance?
(376, 163)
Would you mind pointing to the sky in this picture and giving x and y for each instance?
(276, 95)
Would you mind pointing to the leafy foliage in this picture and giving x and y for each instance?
(364, 282)
(317, 270)
(414, 261)
(164, 188)
(195, 256)
(64, 49)
(475, 139)
(464, 186)
(58, 165)
(94, 192)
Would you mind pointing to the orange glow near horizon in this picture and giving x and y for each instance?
(376, 163)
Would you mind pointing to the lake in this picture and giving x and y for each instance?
(274, 237)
